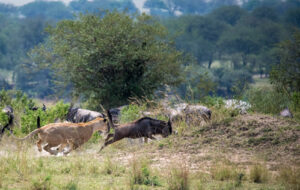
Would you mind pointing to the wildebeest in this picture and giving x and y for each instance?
(34, 108)
(286, 113)
(144, 127)
(189, 113)
(78, 115)
(66, 134)
(8, 110)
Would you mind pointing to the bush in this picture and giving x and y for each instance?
(266, 100)
(132, 112)
(29, 118)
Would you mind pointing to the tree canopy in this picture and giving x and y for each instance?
(111, 57)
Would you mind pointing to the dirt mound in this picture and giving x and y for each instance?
(272, 135)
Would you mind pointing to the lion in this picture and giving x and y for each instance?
(67, 134)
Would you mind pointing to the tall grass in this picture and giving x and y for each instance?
(141, 174)
(178, 177)
(259, 174)
(290, 177)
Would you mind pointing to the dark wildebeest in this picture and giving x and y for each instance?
(8, 110)
(144, 127)
(35, 108)
(78, 115)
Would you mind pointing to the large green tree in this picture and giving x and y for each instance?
(112, 57)
(286, 74)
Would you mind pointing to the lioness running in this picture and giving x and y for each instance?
(63, 134)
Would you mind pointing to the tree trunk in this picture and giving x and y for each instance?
(210, 62)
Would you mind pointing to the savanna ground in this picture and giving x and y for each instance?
(233, 151)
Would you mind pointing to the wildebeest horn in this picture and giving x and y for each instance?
(103, 109)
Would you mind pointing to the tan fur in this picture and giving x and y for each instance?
(72, 134)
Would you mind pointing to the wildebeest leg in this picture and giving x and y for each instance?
(110, 135)
(48, 149)
(107, 143)
(39, 145)
(145, 140)
(151, 137)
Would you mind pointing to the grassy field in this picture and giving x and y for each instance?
(251, 151)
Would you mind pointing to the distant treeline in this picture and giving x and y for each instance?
(227, 42)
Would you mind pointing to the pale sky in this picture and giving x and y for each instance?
(23, 2)
(138, 3)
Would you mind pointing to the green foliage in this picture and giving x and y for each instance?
(51, 10)
(285, 76)
(141, 174)
(132, 112)
(29, 118)
(42, 184)
(266, 100)
(71, 185)
(112, 57)
(213, 101)
(22, 105)
(198, 83)
(3, 118)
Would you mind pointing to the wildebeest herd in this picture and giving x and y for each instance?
(81, 124)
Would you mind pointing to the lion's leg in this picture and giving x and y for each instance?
(39, 145)
(71, 147)
(62, 146)
(48, 149)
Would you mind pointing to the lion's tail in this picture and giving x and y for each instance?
(28, 136)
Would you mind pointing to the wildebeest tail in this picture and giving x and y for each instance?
(38, 122)
(170, 126)
(110, 122)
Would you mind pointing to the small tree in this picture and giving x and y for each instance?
(286, 75)
(111, 57)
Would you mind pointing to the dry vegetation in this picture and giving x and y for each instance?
(251, 151)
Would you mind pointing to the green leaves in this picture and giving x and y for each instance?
(113, 56)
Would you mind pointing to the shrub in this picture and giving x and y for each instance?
(259, 174)
(132, 112)
(3, 118)
(266, 100)
(29, 118)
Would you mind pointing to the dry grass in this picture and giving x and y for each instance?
(216, 155)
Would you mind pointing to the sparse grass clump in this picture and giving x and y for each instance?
(178, 178)
(111, 168)
(141, 174)
(72, 185)
(259, 174)
(41, 183)
(224, 172)
(290, 177)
